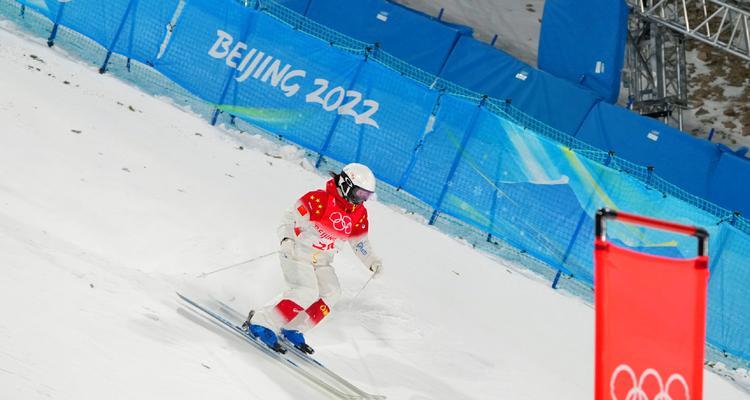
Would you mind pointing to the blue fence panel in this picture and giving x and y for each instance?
(312, 89)
(279, 79)
(438, 148)
(403, 110)
(484, 69)
(80, 15)
(728, 323)
(404, 33)
(146, 29)
(677, 157)
(597, 186)
(501, 186)
(729, 183)
(462, 29)
(49, 8)
(584, 43)
(299, 6)
(544, 227)
(206, 27)
(622, 191)
(545, 196)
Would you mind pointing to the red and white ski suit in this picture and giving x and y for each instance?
(318, 221)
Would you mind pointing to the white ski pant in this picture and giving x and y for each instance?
(312, 290)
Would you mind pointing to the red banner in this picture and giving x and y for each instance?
(650, 325)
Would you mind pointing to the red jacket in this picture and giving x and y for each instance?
(322, 217)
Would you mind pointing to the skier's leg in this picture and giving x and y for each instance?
(329, 288)
(302, 289)
(329, 292)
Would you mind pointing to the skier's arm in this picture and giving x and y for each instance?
(294, 221)
(363, 249)
(299, 217)
(286, 228)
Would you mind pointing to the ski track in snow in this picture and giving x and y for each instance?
(110, 200)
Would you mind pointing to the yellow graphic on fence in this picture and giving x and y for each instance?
(268, 115)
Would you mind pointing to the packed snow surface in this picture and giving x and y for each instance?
(111, 200)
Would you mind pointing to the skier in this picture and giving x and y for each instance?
(309, 233)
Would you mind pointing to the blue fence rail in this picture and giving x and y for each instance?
(465, 156)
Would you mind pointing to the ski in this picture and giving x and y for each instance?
(291, 364)
(316, 364)
(309, 360)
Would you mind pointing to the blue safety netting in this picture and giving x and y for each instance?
(299, 6)
(728, 187)
(404, 33)
(110, 17)
(49, 8)
(478, 160)
(583, 41)
(143, 34)
(399, 126)
(486, 70)
(729, 291)
(438, 147)
(679, 158)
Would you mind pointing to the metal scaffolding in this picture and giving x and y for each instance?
(656, 69)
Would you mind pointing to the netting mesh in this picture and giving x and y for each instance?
(306, 25)
(479, 168)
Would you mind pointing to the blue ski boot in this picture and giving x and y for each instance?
(297, 339)
(264, 334)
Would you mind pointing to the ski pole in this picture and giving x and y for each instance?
(354, 340)
(362, 289)
(204, 274)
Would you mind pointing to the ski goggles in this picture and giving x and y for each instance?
(351, 192)
(359, 195)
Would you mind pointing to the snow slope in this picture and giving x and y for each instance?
(110, 200)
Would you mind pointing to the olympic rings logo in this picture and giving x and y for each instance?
(341, 222)
(638, 393)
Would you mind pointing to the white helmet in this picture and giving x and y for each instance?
(356, 183)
